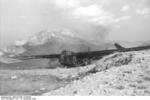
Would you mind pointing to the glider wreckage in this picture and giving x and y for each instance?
(73, 59)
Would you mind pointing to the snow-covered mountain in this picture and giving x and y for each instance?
(48, 42)
(45, 36)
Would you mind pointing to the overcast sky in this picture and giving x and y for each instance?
(125, 20)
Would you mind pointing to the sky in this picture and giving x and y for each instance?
(102, 20)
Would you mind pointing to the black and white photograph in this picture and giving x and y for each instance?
(74, 48)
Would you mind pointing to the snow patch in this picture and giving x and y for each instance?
(44, 36)
(20, 43)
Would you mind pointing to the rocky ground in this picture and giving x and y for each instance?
(115, 74)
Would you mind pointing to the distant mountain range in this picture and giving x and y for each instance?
(45, 42)
(50, 42)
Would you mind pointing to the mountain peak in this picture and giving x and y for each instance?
(44, 36)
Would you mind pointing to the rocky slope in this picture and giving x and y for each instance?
(116, 74)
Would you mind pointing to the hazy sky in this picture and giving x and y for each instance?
(127, 20)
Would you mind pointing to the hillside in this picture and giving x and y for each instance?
(116, 74)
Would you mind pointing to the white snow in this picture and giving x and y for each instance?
(20, 43)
